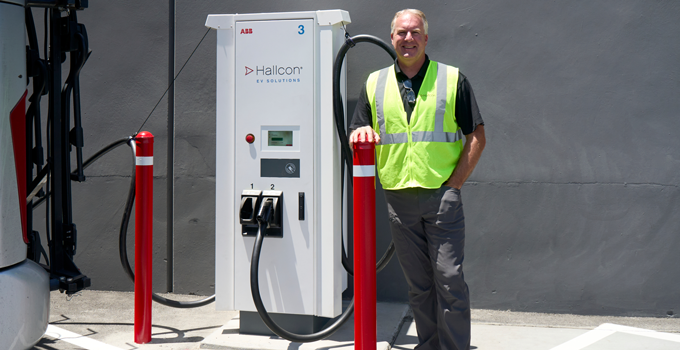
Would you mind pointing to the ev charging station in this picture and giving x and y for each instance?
(276, 140)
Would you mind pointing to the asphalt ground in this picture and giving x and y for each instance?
(105, 321)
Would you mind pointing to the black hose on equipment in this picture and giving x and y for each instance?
(110, 147)
(122, 238)
(257, 299)
(339, 113)
(122, 246)
(346, 153)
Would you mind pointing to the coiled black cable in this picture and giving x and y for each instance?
(122, 245)
(339, 114)
(257, 299)
(108, 148)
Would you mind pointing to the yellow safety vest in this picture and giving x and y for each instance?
(424, 152)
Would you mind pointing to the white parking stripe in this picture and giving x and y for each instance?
(642, 332)
(585, 339)
(77, 339)
(607, 329)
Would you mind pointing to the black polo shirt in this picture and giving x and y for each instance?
(467, 112)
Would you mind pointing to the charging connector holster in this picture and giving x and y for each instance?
(251, 205)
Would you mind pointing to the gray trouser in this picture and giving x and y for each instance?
(428, 229)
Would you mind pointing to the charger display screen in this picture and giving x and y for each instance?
(280, 138)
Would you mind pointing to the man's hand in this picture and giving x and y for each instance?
(364, 133)
(474, 145)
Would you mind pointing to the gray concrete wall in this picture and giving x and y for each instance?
(574, 206)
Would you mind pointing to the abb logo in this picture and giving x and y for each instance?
(247, 31)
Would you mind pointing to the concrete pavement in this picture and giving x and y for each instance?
(105, 321)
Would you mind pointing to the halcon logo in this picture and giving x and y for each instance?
(247, 31)
(276, 70)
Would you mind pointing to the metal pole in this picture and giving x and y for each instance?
(143, 236)
(55, 156)
(365, 331)
(170, 245)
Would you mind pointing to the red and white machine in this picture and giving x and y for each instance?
(24, 285)
(25, 280)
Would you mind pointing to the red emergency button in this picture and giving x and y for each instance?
(250, 138)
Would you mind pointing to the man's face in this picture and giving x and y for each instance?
(409, 38)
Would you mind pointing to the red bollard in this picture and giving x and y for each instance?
(365, 331)
(143, 236)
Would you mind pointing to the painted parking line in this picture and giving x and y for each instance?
(608, 329)
(77, 339)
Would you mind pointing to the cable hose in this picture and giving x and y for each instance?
(346, 155)
(257, 299)
(122, 246)
(122, 238)
(379, 266)
(338, 108)
(102, 152)
(339, 114)
(110, 147)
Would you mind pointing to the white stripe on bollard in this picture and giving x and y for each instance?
(364, 170)
(144, 160)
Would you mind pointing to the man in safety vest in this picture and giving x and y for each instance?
(417, 112)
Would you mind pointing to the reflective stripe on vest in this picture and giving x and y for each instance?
(438, 135)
